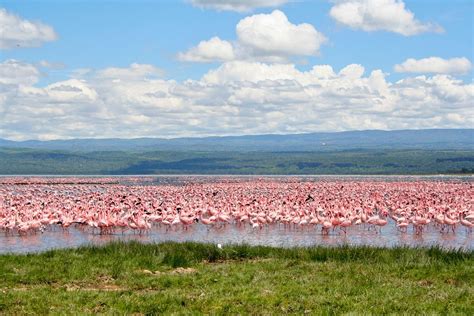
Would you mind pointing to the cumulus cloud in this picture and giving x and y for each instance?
(260, 37)
(212, 50)
(272, 34)
(236, 5)
(238, 97)
(17, 32)
(379, 15)
(460, 65)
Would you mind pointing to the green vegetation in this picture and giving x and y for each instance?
(362, 161)
(193, 278)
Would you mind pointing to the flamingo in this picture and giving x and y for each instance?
(30, 205)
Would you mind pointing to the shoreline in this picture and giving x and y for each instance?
(329, 247)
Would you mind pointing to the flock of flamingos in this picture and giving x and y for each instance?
(106, 205)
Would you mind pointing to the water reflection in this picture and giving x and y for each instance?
(276, 235)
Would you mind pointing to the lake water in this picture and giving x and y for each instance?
(276, 235)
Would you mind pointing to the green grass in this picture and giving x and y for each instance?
(194, 278)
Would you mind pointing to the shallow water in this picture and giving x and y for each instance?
(275, 235)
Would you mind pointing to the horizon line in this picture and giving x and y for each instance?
(239, 135)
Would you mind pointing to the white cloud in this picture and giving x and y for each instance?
(238, 97)
(379, 15)
(261, 37)
(71, 90)
(438, 65)
(17, 32)
(237, 5)
(273, 35)
(18, 73)
(212, 50)
(134, 71)
(323, 71)
(353, 71)
(250, 71)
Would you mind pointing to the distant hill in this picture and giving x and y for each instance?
(461, 139)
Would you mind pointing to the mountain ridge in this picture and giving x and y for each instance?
(318, 141)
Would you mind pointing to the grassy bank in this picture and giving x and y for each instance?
(201, 278)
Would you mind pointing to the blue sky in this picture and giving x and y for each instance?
(97, 35)
(118, 33)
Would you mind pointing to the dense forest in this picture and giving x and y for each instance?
(356, 161)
